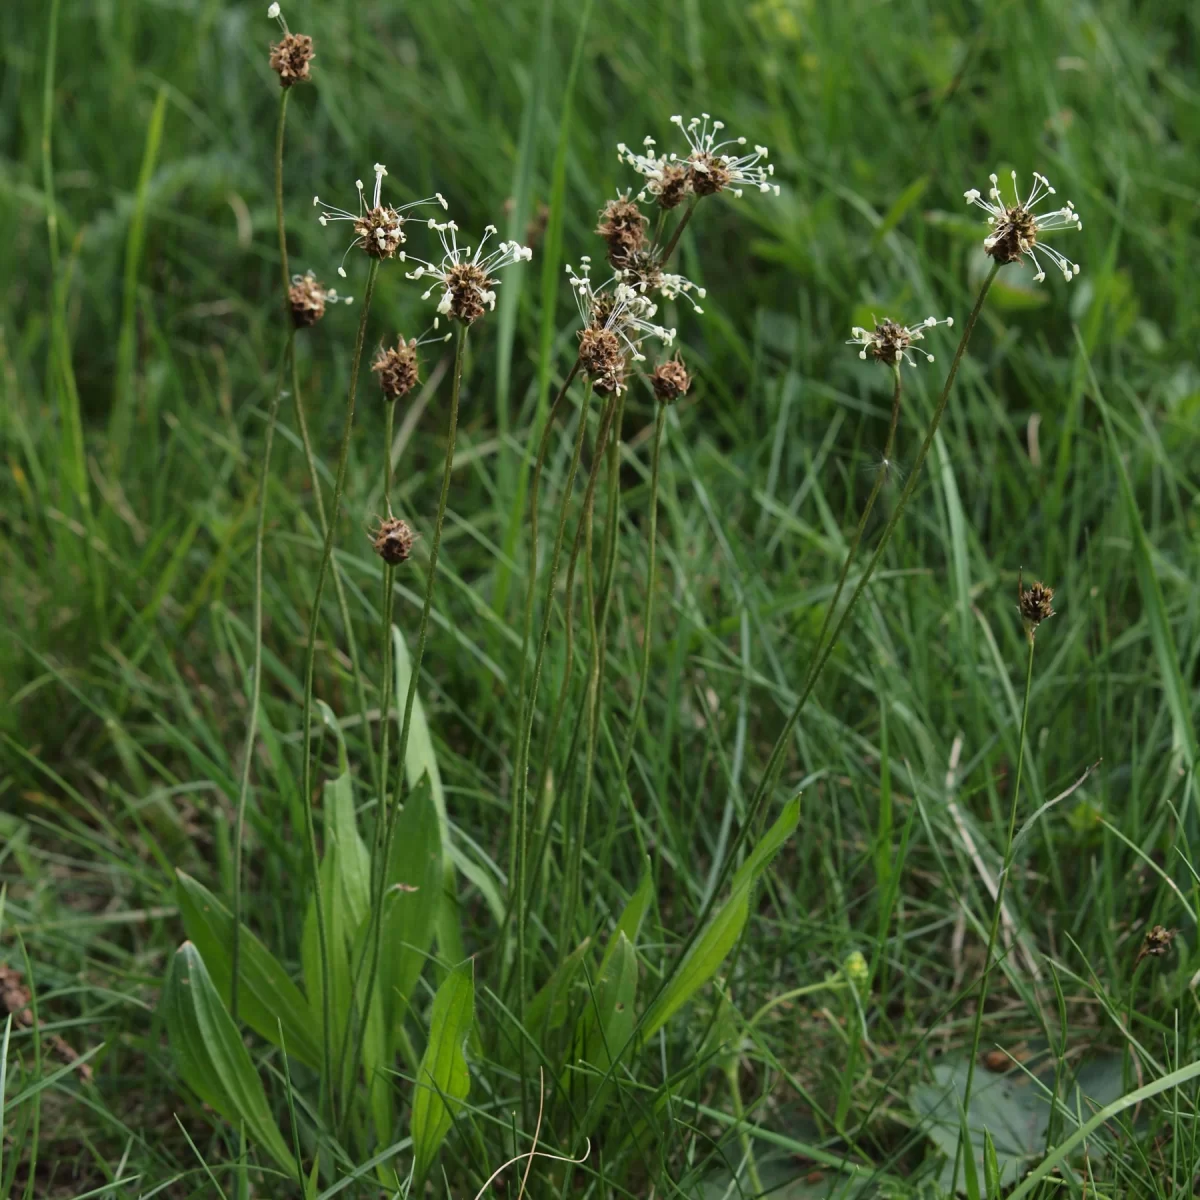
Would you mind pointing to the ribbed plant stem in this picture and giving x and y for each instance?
(516, 900)
(289, 350)
(775, 761)
(385, 644)
(998, 907)
(310, 660)
(669, 249)
(255, 675)
(389, 814)
(856, 540)
(639, 699)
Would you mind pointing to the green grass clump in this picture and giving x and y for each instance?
(730, 945)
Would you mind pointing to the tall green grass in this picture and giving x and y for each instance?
(139, 335)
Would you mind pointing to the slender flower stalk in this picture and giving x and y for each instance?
(375, 928)
(310, 659)
(639, 699)
(998, 906)
(779, 750)
(264, 480)
(259, 535)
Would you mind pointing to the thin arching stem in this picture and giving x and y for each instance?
(669, 249)
(778, 752)
(310, 660)
(998, 907)
(260, 527)
(855, 541)
(639, 699)
(389, 814)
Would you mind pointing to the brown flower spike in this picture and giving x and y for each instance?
(308, 298)
(623, 228)
(670, 380)
(291, 57)
(1156, 943)
(1035, 603)
(393, 541)
(397, 368)
(1015, 226)
(602, 358)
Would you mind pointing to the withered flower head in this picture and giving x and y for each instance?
(393, 541)
(291, 57)
(1015, 227)
(623, 228)
(1156, 943)
(397, 368)
(378, 227)
(308, 298)
(642, 271)
(614, 308)
(468, 290)
(1035, 604)
(670, 379)
(602, 358)
(890, 343)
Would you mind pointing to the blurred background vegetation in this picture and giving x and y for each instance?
(138, 335)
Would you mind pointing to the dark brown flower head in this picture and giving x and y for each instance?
(393, 541)
(308, 298)
(623, 228)
(1156, 943)
(378, 227)
(891, 343)
(707, 173)
(670, 380)
(602, 357)
(1015, 226)
(470, 292)
(397, 368)
(641, 269)
(290, 58)
(1035, 603)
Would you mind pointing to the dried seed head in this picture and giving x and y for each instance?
(1035, 604)
(674, 184)
(670, 380)
(308, 298)
(602, 358)
(393, 541)
(1015, 226)
(291, 57)
(397, 368)
(623, 228)
(1156, 943)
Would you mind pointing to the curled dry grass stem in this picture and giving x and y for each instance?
(310, 659)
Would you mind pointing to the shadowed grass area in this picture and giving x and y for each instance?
(139, 340)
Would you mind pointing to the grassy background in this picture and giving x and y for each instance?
(138, 333)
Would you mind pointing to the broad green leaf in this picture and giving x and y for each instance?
(443, 1079)
(211, 1057)
(267, 998)
(337, 932)
(604, 1032)
(630, 922)
(1014, 1108)
(420, 760)
(354, 859)
(414, 879)
(547, 1011)
(377, 1050)
(710, 949)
